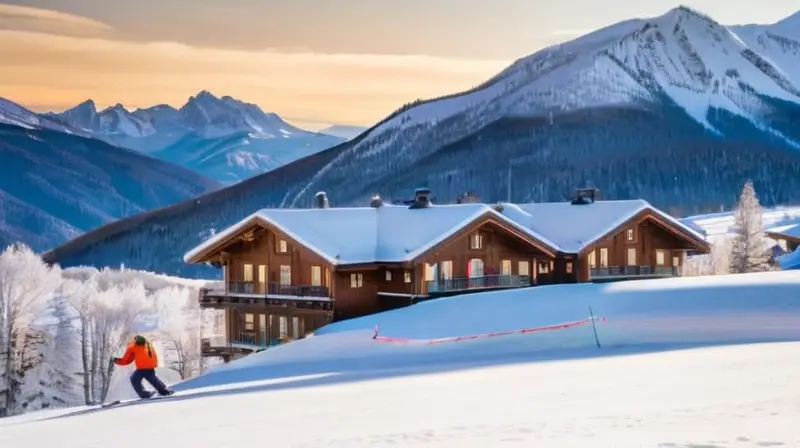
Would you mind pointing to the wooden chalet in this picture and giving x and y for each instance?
(288, 272)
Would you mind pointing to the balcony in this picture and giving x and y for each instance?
(482, 282)
(622, 272)
(239, 344)
(272, 294)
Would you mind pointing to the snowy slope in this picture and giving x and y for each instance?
(222, 138)
(54, 186)
(479, 393)
(721, 224)
(16, 115)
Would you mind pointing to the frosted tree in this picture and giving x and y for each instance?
(179, 322)
(26, 284)
(750, 248)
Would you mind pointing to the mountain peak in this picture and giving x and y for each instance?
(684, 13)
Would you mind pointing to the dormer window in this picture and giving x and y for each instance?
(476, 241)
(629, 235)
(283, 247)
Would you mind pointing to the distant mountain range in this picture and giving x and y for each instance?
(55, 185)
(222, 138)
(677, 109)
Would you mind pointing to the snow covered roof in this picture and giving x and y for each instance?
(395, 233)
(574, 227)
(791, 231)
(790, 261)
(352, 235)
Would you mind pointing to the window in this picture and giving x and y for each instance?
(629, 235)
(295, 328)
(476, 241)
(283, 247)
(262, 328)
(356, 280)
(283, 331)
(286, 275)
(248, 322)
(430, 272)
(407, 276)
(248, 273)
(447, 269)
(544, 267)
(316, 275)
(660, 258)
(603, 257)
(388, 275)
(632, 256)
(506, 270)
(568, 267)
(524, 268)
(676, 261)
(475, 267)
(592, 259)
(262, 273)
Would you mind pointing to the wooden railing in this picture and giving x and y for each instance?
(481, 282)
(635, 271)
(277, 289)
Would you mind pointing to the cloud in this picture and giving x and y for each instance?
(14, 17)
(44, 70)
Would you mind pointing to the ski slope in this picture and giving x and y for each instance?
(341, 388)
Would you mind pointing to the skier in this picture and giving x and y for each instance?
(144, 355)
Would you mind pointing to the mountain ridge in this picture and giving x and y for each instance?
(249, 141)
(674, 109)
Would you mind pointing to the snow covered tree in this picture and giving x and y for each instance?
(179, 326)
(26, 284)
(750, 248)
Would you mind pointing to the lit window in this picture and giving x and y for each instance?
(283, 247)
(524, 268)
(248, 322)
(660, 258)
(248, 273)
(506, 269)
(356, 280)
(592, 259)
(544, 267)
(476, 241)
(316, 275)
(632, 256)
(569, 267)
(447, 269)
(603, 257)
(388, 275)
(430, 272)
(407, 276)
(286, 275)
(630, 234)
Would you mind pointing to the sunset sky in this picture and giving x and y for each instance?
(315, 62)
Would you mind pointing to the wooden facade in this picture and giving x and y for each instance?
(645, 246)
(791, 242)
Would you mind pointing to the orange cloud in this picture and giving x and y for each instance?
(45, 20)
(44, 71)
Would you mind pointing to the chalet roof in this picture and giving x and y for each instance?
(574, 227)
(396, 233)
(352, 235)
(791, 231)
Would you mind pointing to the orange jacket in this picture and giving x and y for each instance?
(144, 355)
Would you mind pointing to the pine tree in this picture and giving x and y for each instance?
(750, 249)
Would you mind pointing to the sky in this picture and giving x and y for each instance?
(314, 62)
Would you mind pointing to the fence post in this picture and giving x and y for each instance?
(594, 327)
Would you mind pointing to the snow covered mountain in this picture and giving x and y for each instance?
(222, 138)
(55, 186)
(345, 131)
(676, 109)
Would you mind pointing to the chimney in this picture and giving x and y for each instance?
(376, 201)
(584, 196)
(421, 198)
(321, 200)
(469, 197)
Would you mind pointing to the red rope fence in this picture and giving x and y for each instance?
(391, 340)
